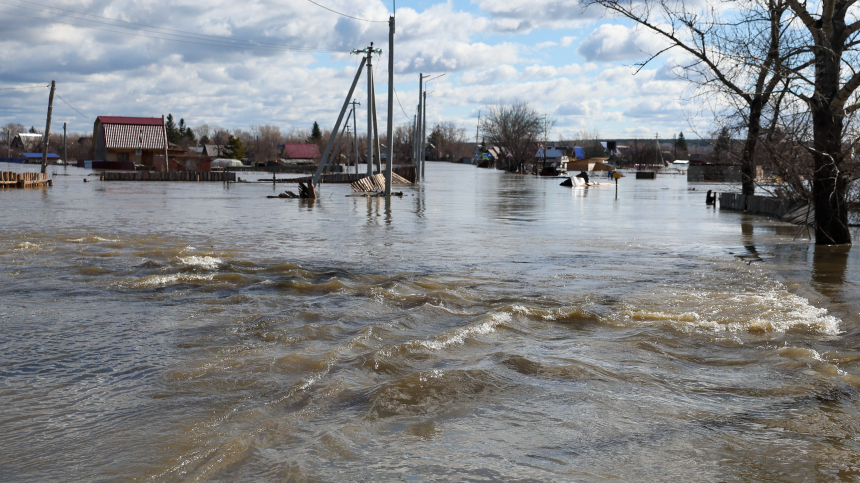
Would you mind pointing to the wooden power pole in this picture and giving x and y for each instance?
(48, 128)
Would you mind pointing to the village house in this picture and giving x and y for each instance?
(27, 142)
(300, 154)
(136, 140)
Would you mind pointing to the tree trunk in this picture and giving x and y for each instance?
(829, 185)
(748, 157)
(829, 182)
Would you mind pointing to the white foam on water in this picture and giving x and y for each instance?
(92, 239)
(163, 280)
(519, 309)
(459, 336)
(774, 310)
(28, 246)
(204, 262)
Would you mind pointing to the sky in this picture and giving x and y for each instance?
(287, 63)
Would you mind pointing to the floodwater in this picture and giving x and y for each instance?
(483, 327)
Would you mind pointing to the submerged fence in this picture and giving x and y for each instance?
(801, 214)
(24, 180)
(170, 176)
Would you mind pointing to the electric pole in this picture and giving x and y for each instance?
(477, 131)
(354, 132)
(48, 128)
(370, 110)
(419, 138)
(423, 135)
(389, 162)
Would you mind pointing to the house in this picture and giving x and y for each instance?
(213, 151)
(136, 140)
(589, 164)
(36, 158)
(300, 154)
(27, 142)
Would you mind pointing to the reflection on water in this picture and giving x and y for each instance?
(485, 326)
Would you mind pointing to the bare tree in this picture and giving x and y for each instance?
(446, 138)
(832, 27)
(403, 143)
(9, 131)
(266, 139)
(741, 57)
(514, 129)
(202, 132)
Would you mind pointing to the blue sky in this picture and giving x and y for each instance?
(572, 64)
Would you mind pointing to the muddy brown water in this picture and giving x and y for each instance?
(484, 327)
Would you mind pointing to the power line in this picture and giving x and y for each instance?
(162, 36)
(401, 105)
(216, 37)
(22, 87)
(73, 107)
(345, 15)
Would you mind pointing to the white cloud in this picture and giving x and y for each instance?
(490, 76)
(609, 43)
(523, 16)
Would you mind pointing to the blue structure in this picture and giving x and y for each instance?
(38, 156)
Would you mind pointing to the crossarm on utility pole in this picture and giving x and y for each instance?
(324, 160)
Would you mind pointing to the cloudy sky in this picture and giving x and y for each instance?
(287, 63)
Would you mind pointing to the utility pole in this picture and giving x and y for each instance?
(376, 125)
(477, 131)
(414, 138)
(311, 188)
(424, 136)
(370, 110)
(164, 126)
(545, 141)
(390, 161)
(419, 138)
(48, 128)
(354, 133)
(65, 159)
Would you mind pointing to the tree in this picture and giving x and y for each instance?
(833, 41)
(9, 131)
(403, 142)
(172, 131)
(33, 130)
(316, 133)
(735, 53)
(234, 148)
(681, 144)
(447, 140)
(723, 144)
(202, 131)
(267, 139)
(514, 129)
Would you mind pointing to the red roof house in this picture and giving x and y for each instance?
(299, 153)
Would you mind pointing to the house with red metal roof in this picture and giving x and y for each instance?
(301, 153)
(138, 140)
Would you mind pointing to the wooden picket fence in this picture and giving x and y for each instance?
(24, 180)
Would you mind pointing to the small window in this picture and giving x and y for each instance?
(122, 157)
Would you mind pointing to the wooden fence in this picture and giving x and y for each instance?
(763, 205)
(170, 176)
(24, 180)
